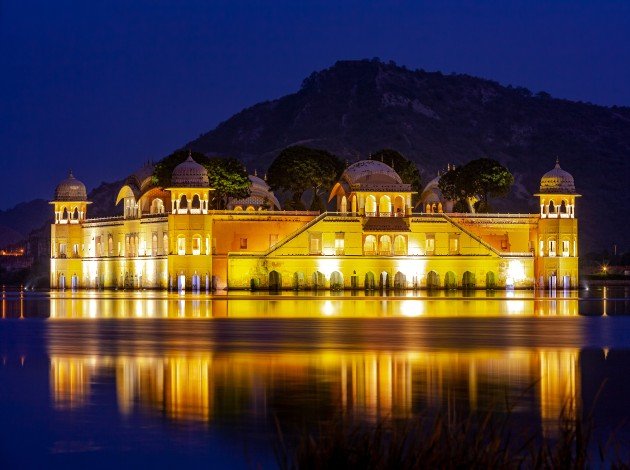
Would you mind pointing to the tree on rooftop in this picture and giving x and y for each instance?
(298, 169)
(475, 182)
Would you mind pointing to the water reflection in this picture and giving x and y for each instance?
(368, 386)
(190, 306)
(109, 304)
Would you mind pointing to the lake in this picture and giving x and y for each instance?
(104, 378)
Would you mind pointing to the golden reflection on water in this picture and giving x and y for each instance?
(123, 305)
(370, 385)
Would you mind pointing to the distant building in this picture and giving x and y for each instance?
(169, 238)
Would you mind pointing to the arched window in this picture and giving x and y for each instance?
(195, 203)
(183, 204)
(196, 245)
(65, 215)
(385, 245)
(157, 206)
(181, 245)
(552, 207)
(369, 245)
(370, 206)
(427, 209)
(400, 245)
(165, 244)
(238, 208)
(75, 214)
(563, 207)
(250, 209)
(385, 206)
(154, 244)
(344, 204)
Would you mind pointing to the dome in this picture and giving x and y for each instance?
(190, 174)
(370, 171)
(260, 195)
(557, 181)
(70, 189)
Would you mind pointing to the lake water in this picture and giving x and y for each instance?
(126, 379)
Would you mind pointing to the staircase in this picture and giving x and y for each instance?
(472, 235)
(296, 233)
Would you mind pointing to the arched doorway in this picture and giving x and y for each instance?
(275, 281)
(75, 214)
(400, 245)
(369, 245)
(183, 204)
(385, 206)
(450, 281)
(195, 205)
(399, 206)
(319, 280)
(370, 206)
(383, 281)
(336, 280)
(491, 281)
(433, 280)
(298, 281)
(468, 280)
(400, 281)
(369, 283)
(344, 204)
(385, 245)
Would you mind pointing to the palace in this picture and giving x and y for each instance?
(169, 238)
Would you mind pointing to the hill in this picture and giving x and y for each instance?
(357, 107)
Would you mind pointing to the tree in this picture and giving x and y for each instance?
(406, 169)
(229, 179)
(476, 182)
(297, 169)
(228, 176)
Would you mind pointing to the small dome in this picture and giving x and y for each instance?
(260, 195)
(190, 174)
(70, 189)
(557, 181)
(370, 171)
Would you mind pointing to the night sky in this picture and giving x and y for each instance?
(100, 87)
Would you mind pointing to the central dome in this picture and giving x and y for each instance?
(370, 171)
(557, 181)
(190, 174)
(71, 189)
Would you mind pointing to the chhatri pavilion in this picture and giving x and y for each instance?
(169, 238)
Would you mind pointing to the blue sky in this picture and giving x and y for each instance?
(100, 87)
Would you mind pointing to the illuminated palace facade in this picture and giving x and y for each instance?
(169, 238)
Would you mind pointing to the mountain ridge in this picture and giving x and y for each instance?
(357, 107)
